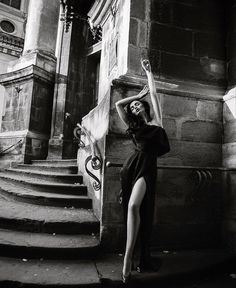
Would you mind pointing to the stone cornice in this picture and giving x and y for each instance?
(175, 88)
(28, 72)
(23, 134)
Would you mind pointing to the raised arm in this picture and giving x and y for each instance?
(122, 103)
(155, 98)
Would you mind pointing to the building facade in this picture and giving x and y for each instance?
(72, 73)
(12, 33)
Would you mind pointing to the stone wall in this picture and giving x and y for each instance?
(229, 117)
(194, 126)
(188, 60)
(183, 39)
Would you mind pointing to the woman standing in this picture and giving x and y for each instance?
(139, 172)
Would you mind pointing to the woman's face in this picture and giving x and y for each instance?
(136, 107)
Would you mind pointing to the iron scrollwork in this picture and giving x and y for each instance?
(11, 147)
(96, 162)
(202, 179)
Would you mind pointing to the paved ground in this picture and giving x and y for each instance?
(186, 269)
(178, 270)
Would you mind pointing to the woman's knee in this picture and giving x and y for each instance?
(133, 207)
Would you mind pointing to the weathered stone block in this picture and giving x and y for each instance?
(155, 59)
(118, 148)
(175, 106)
(133, 34)
(134, 55)
(210, 110)
(113, 213)
(117, 241)
(170, 127)
(210, 45)
(194, 153)
(231, 44)
(202, 131)
(112, 185)
(204, 70)
(187, 16)
(229, 155)
(232, 72)
(170, 39)
(161, 11)
(143, 34)
(230, 131)
(138, 9)
(213, 24)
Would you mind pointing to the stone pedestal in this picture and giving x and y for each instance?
(29, 95)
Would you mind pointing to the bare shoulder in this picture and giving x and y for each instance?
(155, 122)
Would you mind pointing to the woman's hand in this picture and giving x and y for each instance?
(143, 92)
(146, 65)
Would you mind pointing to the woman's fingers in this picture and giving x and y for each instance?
(146, 64)
(144, 91)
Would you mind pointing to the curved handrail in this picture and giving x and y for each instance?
(96, 162)
(203, 174)
(6, 150)
(115, 164)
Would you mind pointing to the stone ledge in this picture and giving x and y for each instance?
(175, 88)
(25, 73)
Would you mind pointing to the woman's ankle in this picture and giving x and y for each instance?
(127, 266)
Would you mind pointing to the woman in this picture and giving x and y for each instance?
(138, 175)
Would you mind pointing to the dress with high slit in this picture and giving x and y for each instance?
(150, 142)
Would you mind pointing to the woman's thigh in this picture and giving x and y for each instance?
(138, 192)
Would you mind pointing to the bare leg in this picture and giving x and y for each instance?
(133, 222)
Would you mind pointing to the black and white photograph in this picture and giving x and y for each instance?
(117, 143)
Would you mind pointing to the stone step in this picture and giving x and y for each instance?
(48, 273)
(48, 175)
(43, 185)
(12, 191)
(69, 169)
(20, 244)
(32, 218)
(63, 162)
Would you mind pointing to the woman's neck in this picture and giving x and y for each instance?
(143, 116)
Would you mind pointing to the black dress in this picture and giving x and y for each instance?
(150, 142)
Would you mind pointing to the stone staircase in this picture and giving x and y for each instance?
(49, 236)
(46, 219)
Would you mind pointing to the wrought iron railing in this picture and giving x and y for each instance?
(200, 176)
(10, 148)
(95, 160)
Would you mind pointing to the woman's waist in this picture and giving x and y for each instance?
(146, 150)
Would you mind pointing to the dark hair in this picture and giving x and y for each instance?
(136, 121)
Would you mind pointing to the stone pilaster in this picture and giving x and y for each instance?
(58, 115)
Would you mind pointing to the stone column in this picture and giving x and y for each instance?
(42, 23)
(40, 36)
(29, 85)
